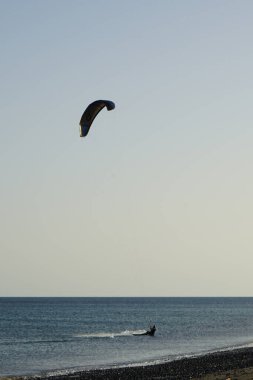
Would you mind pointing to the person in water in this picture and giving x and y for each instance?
(151, 330)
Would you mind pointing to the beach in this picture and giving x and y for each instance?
(234, 365)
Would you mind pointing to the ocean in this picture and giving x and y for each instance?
(43, 336)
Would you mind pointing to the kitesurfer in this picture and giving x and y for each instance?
(151, 331)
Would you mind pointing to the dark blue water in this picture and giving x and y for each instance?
(45, 335)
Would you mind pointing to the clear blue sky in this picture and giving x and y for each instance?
(157, 200)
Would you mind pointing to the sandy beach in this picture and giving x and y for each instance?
(226, 365)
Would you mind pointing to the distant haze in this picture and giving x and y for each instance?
(157, 199)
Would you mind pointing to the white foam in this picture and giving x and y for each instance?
(109, 334)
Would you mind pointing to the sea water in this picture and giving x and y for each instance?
(42, 336)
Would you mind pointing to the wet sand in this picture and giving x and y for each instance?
(227, 365)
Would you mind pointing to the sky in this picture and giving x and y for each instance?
(157, 199)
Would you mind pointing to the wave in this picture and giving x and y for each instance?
(109, 334)
(125, 333)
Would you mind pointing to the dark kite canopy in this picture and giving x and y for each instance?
(91, 112)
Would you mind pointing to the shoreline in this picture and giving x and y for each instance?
(222, 365)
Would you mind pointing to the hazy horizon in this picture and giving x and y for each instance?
(157, 199)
